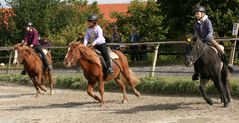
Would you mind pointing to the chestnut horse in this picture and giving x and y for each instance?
(34, 66)
(90, 62)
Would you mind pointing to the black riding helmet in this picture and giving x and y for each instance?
(93, 18)
(29, 24)
(199, 9)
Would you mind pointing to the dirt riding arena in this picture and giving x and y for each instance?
(18, 104)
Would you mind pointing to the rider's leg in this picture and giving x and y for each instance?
(222, 54)
(104, 51)
(39, 50)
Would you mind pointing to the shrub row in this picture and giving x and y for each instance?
(147, 85)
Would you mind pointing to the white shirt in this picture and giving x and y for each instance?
(94, 35)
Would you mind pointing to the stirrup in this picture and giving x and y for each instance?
(110, 71)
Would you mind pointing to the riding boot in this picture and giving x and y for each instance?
(196, 72)
(110, 69)
(23, 72)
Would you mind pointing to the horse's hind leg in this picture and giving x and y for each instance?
(203, 83)
(132, 81)
(50, 80)
(39, 83)
(228, 91)
(102, 91)
(222, 92)
(122, 86)
(90, 89)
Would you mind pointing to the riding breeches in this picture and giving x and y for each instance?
(104, 51)
(38, 49)
(217, 46)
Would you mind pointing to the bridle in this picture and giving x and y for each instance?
(196, 58)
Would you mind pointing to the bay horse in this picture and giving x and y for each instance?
(210, 67)
(90, 62)
(34, 66)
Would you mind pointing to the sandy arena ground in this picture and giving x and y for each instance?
(18, 104)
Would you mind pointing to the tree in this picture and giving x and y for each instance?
(49, 17)
(178, 16)
(146, 17)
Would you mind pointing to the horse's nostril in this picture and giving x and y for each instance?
(188, 63)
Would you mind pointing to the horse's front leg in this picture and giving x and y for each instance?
(203, 83)
(35, 85)
(90, 91)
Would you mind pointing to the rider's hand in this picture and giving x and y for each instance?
(31, 45)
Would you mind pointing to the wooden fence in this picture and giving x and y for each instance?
(154, 44)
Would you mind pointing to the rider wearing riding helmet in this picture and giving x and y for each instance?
(94, 35)
(204, 30)
(31, 40)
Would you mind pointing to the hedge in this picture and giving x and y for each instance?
(183, 86)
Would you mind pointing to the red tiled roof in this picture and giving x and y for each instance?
(106, 9)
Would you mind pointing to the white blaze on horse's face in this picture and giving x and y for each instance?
(66, 62)
(15, 61)
(67, 52)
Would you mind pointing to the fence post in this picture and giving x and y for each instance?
(9, 62)
(155, 60)
(232, 53)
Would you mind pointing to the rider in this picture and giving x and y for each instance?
(31, 40)
(204, 30)
(94, 35)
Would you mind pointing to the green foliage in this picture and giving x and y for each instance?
(178, 16)
(146, 17)
(58, 19)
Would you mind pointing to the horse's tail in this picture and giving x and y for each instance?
(128, 75)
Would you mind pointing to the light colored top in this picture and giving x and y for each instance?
(94, 35)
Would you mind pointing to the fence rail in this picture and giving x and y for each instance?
(155, 49)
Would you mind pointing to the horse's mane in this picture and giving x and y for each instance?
(26, 49)
(89, 53)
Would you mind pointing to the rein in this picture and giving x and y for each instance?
(200, 54)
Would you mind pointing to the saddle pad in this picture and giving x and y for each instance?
(216, 49)
(45, 51)
(113, 55)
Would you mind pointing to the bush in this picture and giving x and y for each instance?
(147, 85)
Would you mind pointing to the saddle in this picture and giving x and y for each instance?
(221, 55)
(112, 56)
(45, 51)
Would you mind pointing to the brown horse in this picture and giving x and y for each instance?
(34, 67)
(93, 70)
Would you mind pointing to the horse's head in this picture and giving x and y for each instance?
(192, 51)
(73, 54)
(20, 52)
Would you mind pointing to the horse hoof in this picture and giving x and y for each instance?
(210, 102)
(137, 94)
(52, 93)
(124, 101)
(226, 104)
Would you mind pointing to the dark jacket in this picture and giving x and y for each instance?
(204, 29)
(31, 37)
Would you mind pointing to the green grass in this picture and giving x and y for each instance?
(147, 85)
